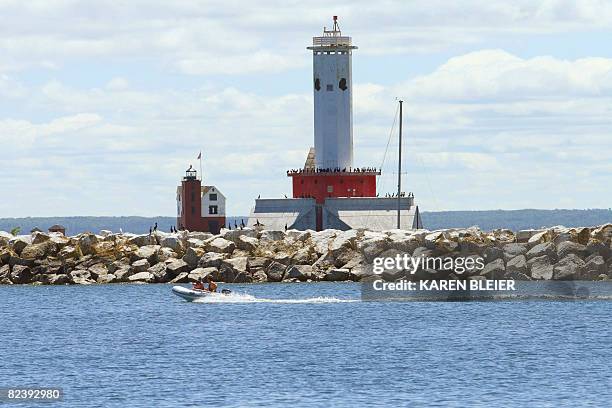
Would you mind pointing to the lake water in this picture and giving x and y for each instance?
(279, 345)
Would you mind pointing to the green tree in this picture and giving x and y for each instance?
(15, 231)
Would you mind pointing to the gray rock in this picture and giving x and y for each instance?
(494, 269)
(141, 266)
(123, 273)
(540, 268)
(275, 272)
(87, 243)
(211, 260)
(517, 276)
(81, 277)
(105, 279)
(199, 274)
(299, 272)
(193, 256)
(5, 275)
(18, 243)
(175, 267)
(568, 268)
(594, 267)
(231, 269)
(259, 276)
(97, 270)
(336, 275)
(55, 279)
(159, 272)
(181, 278)
(518, 264)
(513, 250)
(269, 236)
(142, 240)
(568, 247)
(142, 277)
(148, 252)
(304, 255)
(39, 251)
(247, 243)
(21, 274)
(546, 248)
(172, 242)
(221, 245)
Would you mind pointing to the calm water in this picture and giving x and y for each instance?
(301, 345)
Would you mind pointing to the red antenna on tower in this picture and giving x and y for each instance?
(336, 26)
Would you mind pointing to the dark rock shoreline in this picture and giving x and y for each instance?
(248, 255)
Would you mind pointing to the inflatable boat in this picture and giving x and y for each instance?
(193, 294)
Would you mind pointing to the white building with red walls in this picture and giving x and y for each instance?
(199, 208)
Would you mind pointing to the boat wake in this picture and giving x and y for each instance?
(236, 297)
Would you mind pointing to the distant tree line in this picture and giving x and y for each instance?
(486, 220)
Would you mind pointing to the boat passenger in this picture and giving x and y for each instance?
(199, 285)
(212, 286)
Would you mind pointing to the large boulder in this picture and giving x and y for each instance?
(540, 268)
(39, 251)
(142, 240)
(569, 268)
(5, 275)
(321, 240)
(372, 245)
(193, 256)
(221, 245)
(299, 272)
(494, 269)
(336, 275)
(513, 250)
(140, 266)
(69, 252)
(87, 242)
(518, 264)
(123, 273)
(569, 247)
(21, 274)
(492, 253)
(39, 237)
(97, 270)
(175, 267)
(247, 243)
(270, 236)
(546, 248)
(148, 252)
(173, 242)
(234, 269)
(200, 274)
(142, 277)
(81, 277)
(17, 244)
(594, 267)
(55, 279)
(159, 272)
(211, 260)
(275, 271)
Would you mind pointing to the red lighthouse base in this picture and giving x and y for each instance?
(333, 184)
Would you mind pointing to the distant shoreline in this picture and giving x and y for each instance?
(485, 219)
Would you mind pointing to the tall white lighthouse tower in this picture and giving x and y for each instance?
(333, 98)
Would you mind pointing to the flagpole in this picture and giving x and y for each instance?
(201, 174)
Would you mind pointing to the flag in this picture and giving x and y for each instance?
(200, 155)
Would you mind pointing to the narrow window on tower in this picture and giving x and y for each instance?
(317, 84)
(330, 87)
(342, 84)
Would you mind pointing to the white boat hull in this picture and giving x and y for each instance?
(193, 294)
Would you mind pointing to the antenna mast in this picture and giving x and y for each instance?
(399, 169)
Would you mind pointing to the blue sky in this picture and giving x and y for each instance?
(104, 105)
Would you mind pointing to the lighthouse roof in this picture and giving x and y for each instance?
(332, 39)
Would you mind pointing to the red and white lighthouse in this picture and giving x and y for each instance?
(199, 208)
(329, 191)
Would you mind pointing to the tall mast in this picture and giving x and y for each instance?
(399, 169)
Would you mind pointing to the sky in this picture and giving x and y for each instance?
(103, 105)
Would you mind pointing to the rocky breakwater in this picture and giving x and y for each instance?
(249, 255)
